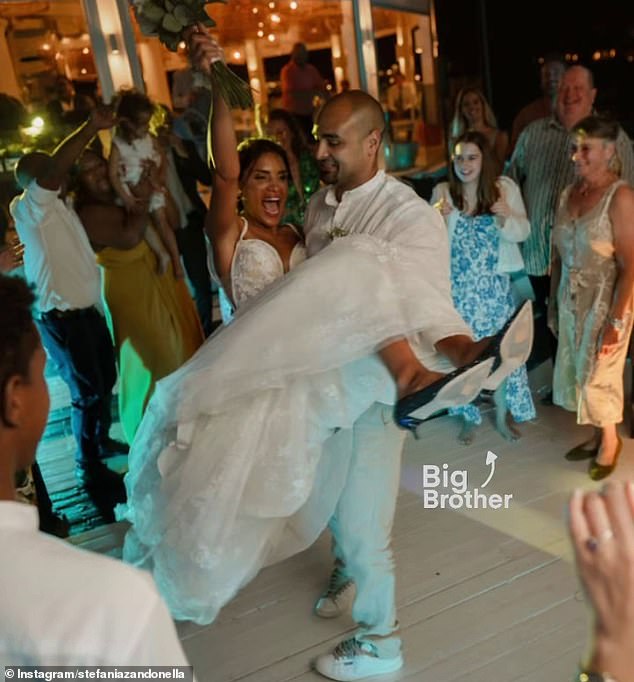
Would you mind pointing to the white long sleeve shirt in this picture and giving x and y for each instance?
(58, 258)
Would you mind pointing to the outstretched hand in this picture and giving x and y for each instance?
(204, 50)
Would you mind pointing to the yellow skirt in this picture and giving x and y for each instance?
(153, 322)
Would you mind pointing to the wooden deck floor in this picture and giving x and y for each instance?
(483, 595)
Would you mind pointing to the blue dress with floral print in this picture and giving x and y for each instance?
(483, 297)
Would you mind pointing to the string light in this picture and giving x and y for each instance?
(271, 38)
(293, 5)
(255, 10)
(260, 33)
(275, 18)
(236, 55)
(46, 46)
(86, 50)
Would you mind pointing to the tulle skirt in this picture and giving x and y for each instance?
(226, 471)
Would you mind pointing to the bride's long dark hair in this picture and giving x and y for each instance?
(488, 191)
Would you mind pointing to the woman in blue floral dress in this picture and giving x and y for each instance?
(486, 219)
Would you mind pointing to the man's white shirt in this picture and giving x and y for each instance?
(58, 258)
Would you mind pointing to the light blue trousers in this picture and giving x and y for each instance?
(362, 525)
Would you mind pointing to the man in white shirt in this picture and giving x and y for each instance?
(59, 605)
(60, 263)
(362, 199)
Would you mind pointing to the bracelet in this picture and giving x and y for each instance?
(619, 323)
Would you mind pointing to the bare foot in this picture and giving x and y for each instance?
(407, 384)
(467, 433)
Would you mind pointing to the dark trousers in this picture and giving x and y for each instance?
(193, 248)
(79, 344)
(545, 345)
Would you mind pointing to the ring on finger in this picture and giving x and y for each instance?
(592, 543)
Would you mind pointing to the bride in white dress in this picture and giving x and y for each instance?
(225, 474)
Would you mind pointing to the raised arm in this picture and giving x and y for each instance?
(222, 223)
(69, 150)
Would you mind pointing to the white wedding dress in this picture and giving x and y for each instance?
(226, 470)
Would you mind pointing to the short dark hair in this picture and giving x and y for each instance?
(18, 336)
(251, 149)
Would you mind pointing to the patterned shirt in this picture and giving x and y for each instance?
(542, 167)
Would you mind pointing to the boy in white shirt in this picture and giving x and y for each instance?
(59, 605)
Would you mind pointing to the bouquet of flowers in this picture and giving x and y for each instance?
(168, 19)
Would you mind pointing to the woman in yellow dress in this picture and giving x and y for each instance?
(151, 316)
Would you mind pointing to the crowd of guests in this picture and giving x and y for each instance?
(575, 171)
(110, 245)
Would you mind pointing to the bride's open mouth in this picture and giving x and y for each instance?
(272, 205)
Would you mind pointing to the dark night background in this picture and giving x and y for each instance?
(518, 34)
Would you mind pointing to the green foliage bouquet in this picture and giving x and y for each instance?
(168, 19)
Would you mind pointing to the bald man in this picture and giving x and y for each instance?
(360, 198)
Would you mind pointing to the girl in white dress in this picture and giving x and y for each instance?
(133, 148)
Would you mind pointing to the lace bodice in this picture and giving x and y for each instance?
(255, 265)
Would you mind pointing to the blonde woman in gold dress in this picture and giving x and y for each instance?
(591, 299)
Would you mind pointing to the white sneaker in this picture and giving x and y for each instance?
(356, 659)
(338, 598)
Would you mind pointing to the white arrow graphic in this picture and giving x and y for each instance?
(491, 457)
